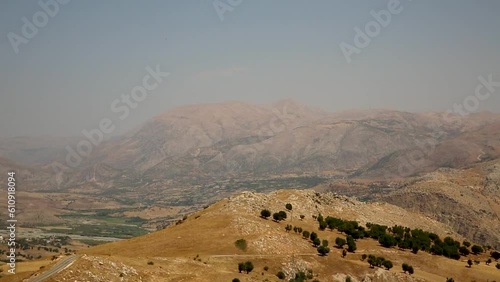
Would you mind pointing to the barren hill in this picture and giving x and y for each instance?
(468, 200)
(236, 140)
(202, 247)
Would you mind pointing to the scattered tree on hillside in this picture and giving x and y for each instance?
(476, 249)
(249, 266)
(469, 262)
(316, 242)
(322, 225)
(302, 217)
(339, 242)
(387, 264)
(405, 267)
(279, 216)
(288, 206)
(297, 229)
(313, 236)
(305, 234)
(495, 255)
(320, 218)
(464, 251)
(410, 270)
(241, 244)
(344, 253)
(375, 261)
(281, 275)
(236, 280)
(324, 243)
(323, 250)
(363, 257)
(245, 266)
(265, 214)
(488, 261)
(351, 245)
(242, 267)
(465, 243)
(288, 228)
(450, 279)
(497, 265)
(282, 214)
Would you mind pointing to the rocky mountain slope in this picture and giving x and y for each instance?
(468, 200)
(236, 139)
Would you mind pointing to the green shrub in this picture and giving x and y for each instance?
(241, 244)
(281, 275)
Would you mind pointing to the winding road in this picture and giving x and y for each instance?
(65, 262)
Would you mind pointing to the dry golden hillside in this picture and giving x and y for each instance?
(202, 247)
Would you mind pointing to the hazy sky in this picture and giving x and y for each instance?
(65, 78)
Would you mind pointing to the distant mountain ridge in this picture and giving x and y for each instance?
(234, 138)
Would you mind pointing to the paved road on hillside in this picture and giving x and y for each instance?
(55, 269)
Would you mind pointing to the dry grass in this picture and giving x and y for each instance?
(202, 249)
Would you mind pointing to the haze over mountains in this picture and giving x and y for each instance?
(209, 146)
(440, 169)
(235, 138)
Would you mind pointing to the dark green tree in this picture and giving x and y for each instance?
(317, 242)
(242, 267)
(405, 267)
(313, 236)
(387, 264)
(339, 242)
(281, 275)
(288, 206)
(323, 250)
(305, 234)
(276, 217)
(265, 214)
(464, 251)
(279, 216)
(322, 225)
(241, 244)
(476, 249)
(495, 255)
(248, 266)
(372, 260)
(282, 215)
(387, 240)
(351, 245)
